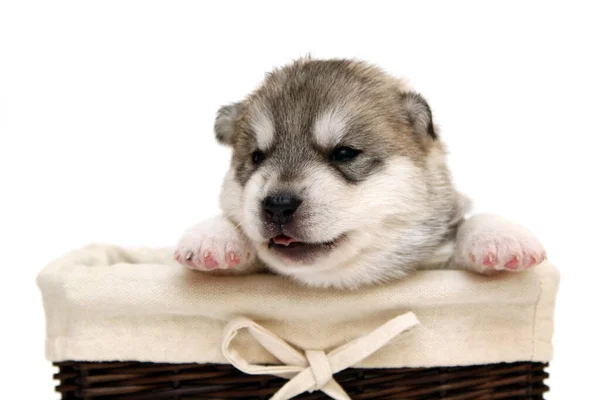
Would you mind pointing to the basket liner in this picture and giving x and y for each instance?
(106, 303)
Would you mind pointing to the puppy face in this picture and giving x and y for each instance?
(337, 175)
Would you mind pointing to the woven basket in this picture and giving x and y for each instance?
(443, 335)
(145, 381)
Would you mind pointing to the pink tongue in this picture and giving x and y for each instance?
(283, 240)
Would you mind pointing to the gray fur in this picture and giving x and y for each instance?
(387, 210)
(225, 123)
(384, 120)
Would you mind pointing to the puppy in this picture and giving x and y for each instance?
(338, 179)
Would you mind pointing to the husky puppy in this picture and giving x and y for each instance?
(338, 178)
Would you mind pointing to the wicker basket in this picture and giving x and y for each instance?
(193, 336)
(145, 381)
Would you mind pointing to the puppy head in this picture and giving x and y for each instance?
(336, 169)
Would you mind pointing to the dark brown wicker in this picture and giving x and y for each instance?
(146, 381)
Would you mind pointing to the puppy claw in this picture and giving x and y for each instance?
(215, 245)
(232, 259)
(513, 263)
(532, 261)
(490, 260)
(488, 243)
(209, 262)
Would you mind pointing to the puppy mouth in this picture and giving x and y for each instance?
(296, 250)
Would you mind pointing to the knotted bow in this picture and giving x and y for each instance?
(314, 369)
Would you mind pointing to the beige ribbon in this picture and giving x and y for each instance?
(314, 369)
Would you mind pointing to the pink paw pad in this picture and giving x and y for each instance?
(490, 260)
(490, 244)
(232, 259)
(208, 261)
(512, 263)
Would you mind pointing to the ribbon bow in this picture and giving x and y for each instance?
(314, 369)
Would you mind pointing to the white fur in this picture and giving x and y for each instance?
(218, 238)
(262, 125)
(231, 197)
(486, 243)
(398, 218)
(254, 191)
(391, 197)
(330, 127)
(380, 222)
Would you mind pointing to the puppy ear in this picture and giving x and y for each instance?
(225, 123)
(418, 114)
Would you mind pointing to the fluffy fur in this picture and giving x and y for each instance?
(387, 209)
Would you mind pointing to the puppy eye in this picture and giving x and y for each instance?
(344, 154)
(258, 157)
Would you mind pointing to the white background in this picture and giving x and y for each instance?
(106, 113)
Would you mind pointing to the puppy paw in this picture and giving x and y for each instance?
(488, 243)
(215, 245)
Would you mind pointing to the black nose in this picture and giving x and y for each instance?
(280, 208)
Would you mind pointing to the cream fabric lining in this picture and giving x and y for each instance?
(105, 303)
